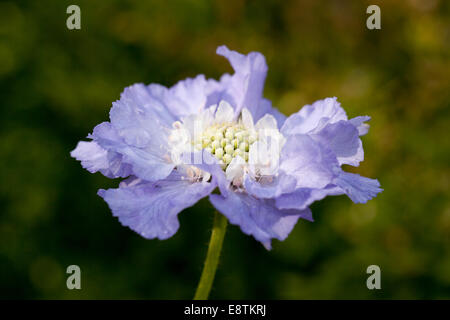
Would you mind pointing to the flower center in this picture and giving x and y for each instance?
(227, 141)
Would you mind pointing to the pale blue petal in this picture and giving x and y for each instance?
(312, 118)
(356, 158)
(259, 218)
(270, 187)
(94, 158)
(302, 198)
(187, 97)
(342, 137)
(359, 123)
(265, 107)
(117, 167)
(359, 189)
(205, 161)
(245, 86)
(141, 123)
(147, 163)
(151, 209)
(313, 165)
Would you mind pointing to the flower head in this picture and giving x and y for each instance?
(177, 145)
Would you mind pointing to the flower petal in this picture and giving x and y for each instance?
(265, 107)
(342, 137)
(236, 168)
(259, 218)
(138, 121)
(151, 209)
(270, 187)
(187, 97)
(263, 158)
(147, 163)
(224, 113)
(313, 165)
(94, 158)
(359, 123)
(359, 189)
(356, 158)
(246, 85)
(207, 162)
(304, 197)
(267, 122)
(247, 119)
(312, 118)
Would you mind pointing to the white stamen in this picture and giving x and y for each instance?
(216, 131)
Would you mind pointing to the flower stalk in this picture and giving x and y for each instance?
(212, 257)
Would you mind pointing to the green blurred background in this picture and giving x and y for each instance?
(57, 84)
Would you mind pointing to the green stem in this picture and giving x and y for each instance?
(212, 257)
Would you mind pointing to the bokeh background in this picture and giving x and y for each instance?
(57, 84)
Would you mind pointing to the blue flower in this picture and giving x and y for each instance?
(177, 145)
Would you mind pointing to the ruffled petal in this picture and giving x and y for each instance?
(259, 218)
(151, 209)
(270, 187)
(149, 163)
(245, 87)
(359, 189)
(312, 118)
(313, 165)
(187, 97)
(94, 158)
(141, 123)
(343, 138)
(359, 123)
(302, 198)
(354, 159)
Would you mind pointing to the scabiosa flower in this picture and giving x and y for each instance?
(177, 145)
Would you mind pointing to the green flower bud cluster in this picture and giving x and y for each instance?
(226, 142)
